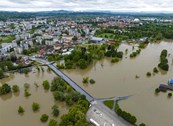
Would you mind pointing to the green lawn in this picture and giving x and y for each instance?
(7, 39)
(109, 103)
(107, 35)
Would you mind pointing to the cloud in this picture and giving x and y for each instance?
(81, 5)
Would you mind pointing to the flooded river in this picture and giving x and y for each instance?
(9, 103)
(116, 79)
(119, 80)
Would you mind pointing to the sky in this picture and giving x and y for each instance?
(88, 5)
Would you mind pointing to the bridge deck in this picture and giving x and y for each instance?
(71, 82)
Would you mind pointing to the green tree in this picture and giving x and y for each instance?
(21, 109)
(58, 84)
(92, 81)
(74, 38)
(27, 93)
(44, 118)
(55, 110)
(46, 85)
(163, 61)
(52, 122)
(157, 90)
(155, 70)
(35, 106)
(58, 95)
(15, 88)
(5, 89)
(1, 74)
(142, 124)
(169, 94)
(82, 63)
(148, 74)
(85, 80)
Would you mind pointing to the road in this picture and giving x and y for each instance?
(104, 116)
(71, 82)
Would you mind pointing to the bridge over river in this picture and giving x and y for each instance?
(102, 115)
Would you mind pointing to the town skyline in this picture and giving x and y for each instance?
(89, 5)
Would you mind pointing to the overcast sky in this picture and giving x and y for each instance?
(88, 5)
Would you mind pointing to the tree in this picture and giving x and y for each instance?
(82, 63)
(163, 61)
(26, 85)
(15, 88)
(114, 60)
(46, 85)
(68, 100)
(5, 89)
(74, 38)
(92, 81)
(58, 84)
(53, 122)
(51, 58)
(1, 74)
(155, 70)
(148, 74)
(142, 124)
(169, 94)
(44, 118)
(58, 95)
(85, 79)
(35, 106)
(21, 109)
(55, 110)
(26, 93)
(157, 90)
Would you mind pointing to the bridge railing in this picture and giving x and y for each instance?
(75, 84)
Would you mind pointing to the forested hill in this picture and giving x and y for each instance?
(5, 15)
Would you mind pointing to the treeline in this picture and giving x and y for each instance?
(7, 65)
(6, 88)
(64, 93)
(154, 31)
(127, 116)
(163, 60)
(14, 15)
(112, 52)
(83, 56)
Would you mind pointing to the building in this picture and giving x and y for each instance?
(7, 47)
(170, 81)
(98, 40)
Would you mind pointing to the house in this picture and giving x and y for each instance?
(57, 47)
(170, 81)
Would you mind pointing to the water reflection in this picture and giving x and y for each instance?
(6, 97)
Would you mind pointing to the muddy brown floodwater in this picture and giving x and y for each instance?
(9, 103)
(118, 79)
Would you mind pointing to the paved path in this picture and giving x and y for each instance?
(104, 116)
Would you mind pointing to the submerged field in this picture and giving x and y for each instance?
(119, 79)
